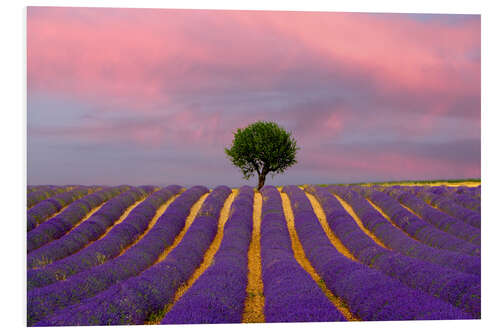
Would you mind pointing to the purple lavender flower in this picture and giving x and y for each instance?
(218, 296)
(418, 228)
(370, 294)
(45, 301)
(436, 217)
(457, 288)
(397, 240)
(35, 197)
(108, 247)
(450, 207)
(291, 295)
(58, 226)
(133, 300)
(44, 209)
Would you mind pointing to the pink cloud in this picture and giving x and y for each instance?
(143, 58)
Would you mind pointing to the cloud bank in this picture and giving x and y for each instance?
(152, 96)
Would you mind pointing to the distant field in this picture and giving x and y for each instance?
(100, 255)
(447, 182)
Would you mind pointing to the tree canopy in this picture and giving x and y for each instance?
(262, 148)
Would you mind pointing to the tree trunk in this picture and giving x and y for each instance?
(262, 180)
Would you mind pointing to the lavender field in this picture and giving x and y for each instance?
(101, 255)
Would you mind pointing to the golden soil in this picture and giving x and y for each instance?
(189, 220)
(410, 210)
(301, 258)
(63, 209)
(207, 259)
(318, 210)
(159, 212)
(44, 262)
(387, 217)
(254, 303)
(356, 218)
(87, 216)
(121, 218)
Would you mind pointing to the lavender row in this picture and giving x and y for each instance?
(474, 191)
(416, 227)
(43, 210)
(291, 295)
(134, 300)
(35, 197)
(76, 210)
(99, 251)
(463, 199)
(457, 288)
(467, 201)
(450, 207)
(218, 296)
(44, 301)
(35, 188)
(370, 294)
(32, 188)
(58, 226)
(436, 217)
(397, 240)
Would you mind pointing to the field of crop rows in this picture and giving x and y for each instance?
(99, 255)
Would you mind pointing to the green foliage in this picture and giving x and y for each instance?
(262, 148)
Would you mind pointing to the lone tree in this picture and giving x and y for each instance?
(262, 147)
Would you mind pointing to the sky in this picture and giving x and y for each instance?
(153, 96)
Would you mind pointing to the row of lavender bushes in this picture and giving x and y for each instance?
(455, 287)
(76, 251)
(384, 298)
(415, 285)
(135, 299)
(396, 239)
(62, 223)
(43, 193)
(40, 212)
(218, 295)
(44, 301)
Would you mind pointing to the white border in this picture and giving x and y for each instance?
(13, 165)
